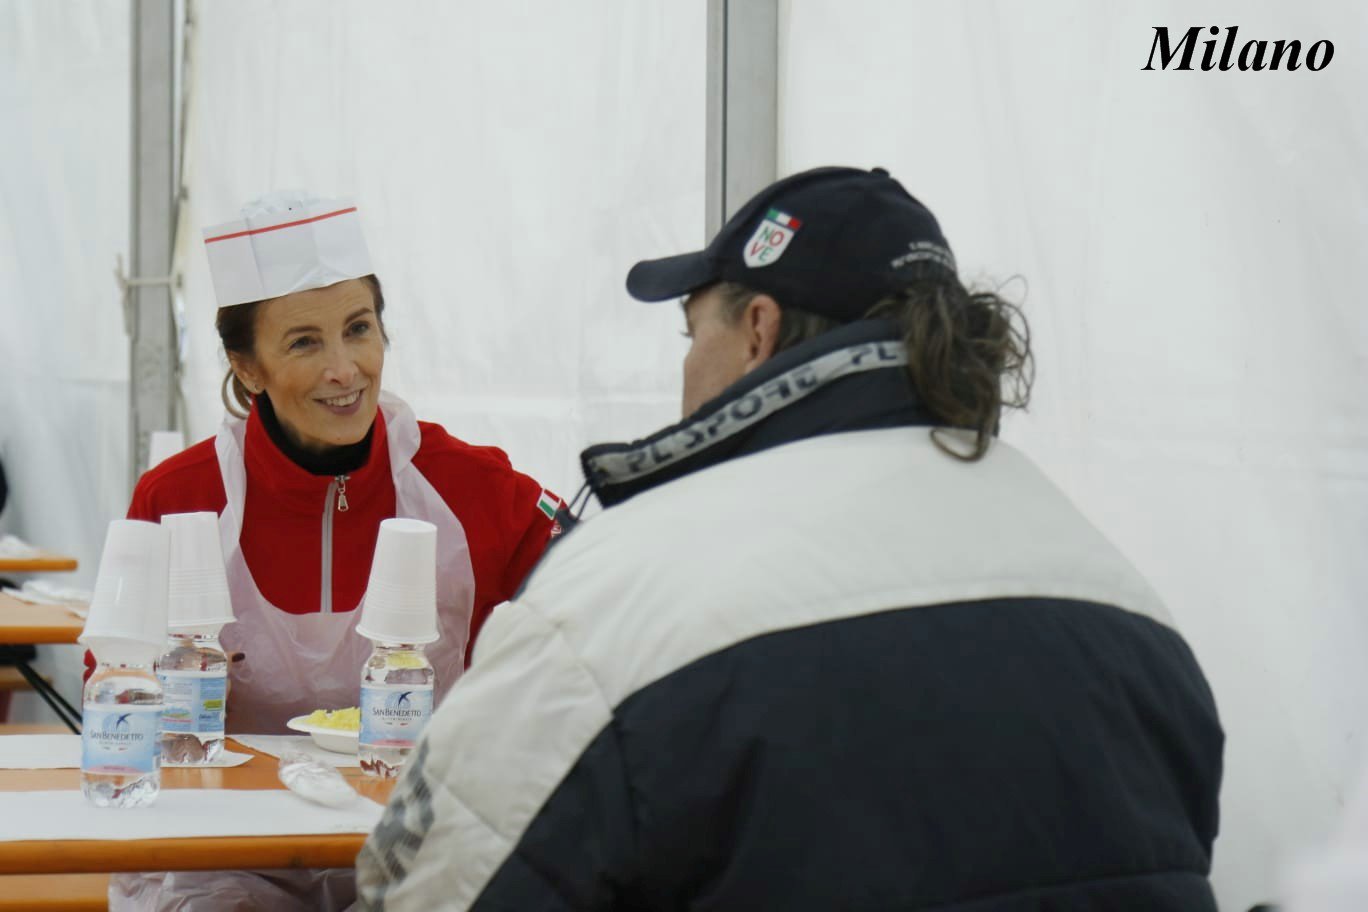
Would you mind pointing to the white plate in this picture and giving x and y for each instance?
(337, 740)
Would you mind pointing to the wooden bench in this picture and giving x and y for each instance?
(11, 680)
(32, 728)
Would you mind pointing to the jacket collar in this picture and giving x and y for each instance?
(270, 471)
(852, 378)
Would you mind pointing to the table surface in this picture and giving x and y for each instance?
(199, 854)
(43, 563)
(22, 622)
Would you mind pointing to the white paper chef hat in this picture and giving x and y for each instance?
(286, 241)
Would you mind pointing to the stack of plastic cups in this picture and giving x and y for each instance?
(126, 628)
(399, 616)
(193, 669)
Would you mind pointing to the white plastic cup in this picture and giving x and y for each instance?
(401, 597)
(197, 586)
(127, 619)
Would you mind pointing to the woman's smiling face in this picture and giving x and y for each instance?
(318, 355)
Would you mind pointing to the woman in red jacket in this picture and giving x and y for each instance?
(315, 456)
(312, 458)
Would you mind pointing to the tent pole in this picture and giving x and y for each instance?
(152, 345)
(742, 103)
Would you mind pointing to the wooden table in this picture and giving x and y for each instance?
(39, 563)
(198, 854)
(22, 623)
(26, 624)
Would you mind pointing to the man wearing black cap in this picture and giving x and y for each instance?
(831, 645)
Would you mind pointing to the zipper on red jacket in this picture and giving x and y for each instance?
(337, 495)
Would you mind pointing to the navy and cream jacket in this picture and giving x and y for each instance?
(805, 660)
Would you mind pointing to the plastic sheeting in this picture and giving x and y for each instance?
(1188, 244)
(510, 162)
(1187, 239)
(64, 110)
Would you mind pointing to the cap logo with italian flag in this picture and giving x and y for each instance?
(768, 243)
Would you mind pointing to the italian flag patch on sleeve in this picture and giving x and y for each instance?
(548, 504)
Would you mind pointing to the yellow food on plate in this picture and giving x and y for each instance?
(348, 719)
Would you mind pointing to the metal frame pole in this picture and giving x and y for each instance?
(742, 104)
(152, 342)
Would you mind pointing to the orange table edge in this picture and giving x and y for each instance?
(205, 853)
(25, 623)
(45, 563)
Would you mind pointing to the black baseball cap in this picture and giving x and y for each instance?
(831, 241)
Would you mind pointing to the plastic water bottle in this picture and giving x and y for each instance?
(396, 703)
(194, 677)
(120, 749)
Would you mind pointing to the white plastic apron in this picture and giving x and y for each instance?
(296, 663)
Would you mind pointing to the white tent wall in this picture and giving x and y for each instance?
(64, 110)
(1189, 243)
(510, 163)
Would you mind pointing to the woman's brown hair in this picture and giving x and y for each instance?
(237, 331)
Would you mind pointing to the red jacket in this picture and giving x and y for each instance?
(282, 532)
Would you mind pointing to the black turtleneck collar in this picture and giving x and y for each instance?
(339, 460)
(852, 378)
